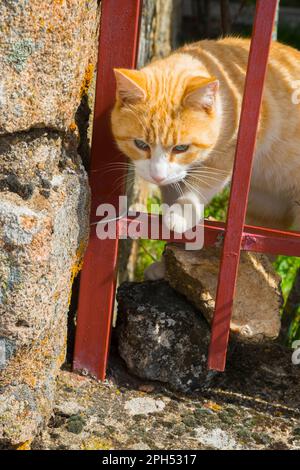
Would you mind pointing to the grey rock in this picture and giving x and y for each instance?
(47, 58)
(27, 387)
(262, 410)
(144, 406)
(68, 408)
(42, 241)
(47, 50)
(195, 274)
(161, 336)
(216, 438)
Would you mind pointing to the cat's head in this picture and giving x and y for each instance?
(165, 123)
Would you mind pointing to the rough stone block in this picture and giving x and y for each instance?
(161, 335)
(257, 301)
(47, 55)
(43, 234)
(28, 387)
(42, 239)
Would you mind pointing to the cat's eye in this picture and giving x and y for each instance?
(141, 145)
(180, 148)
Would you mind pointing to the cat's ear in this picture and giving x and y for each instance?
(130, 85)
(200, 93)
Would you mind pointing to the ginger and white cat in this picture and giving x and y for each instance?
(177, 120)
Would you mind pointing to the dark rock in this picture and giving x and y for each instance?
(161, 336)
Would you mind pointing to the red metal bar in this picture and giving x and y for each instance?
(118, 46)
(257, 64)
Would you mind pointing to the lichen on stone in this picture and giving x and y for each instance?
(20, 52)
(87, 79)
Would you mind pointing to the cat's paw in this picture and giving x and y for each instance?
(175, 221)
(155, 271)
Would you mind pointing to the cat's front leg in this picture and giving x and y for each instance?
(184, 213)
(179, 215)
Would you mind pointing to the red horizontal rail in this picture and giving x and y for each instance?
(257, 239)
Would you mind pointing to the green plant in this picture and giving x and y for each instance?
(149, 251)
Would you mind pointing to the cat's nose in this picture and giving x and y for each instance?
(158, 179)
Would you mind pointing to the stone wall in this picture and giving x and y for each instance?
(47, 58)
(48, 52)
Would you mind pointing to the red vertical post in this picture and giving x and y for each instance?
(118, 47)
(254, 84)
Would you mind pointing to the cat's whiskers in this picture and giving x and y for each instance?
(125, 184)
(113, 164)
(124, 179)
(209, 168)
(116, 170)
(205, 176)
(177, 188)
(192, 188)
(118, 166)
(203, 181)
(205, 172)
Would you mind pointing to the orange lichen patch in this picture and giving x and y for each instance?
(88, 76)
(40, 245)
(31, 381)
(96, 444)
(79, 258)
(73, 127)
(27, 222)
(213, 406)
(56, 296)
(41, 165)
(62, 356)
(77, 266)
(24, 445)
(32, 367)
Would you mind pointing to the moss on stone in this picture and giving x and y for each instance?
(75, 424)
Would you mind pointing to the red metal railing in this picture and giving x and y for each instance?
(118, 45)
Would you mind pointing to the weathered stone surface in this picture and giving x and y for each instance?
(47, 57)
(161, 336)
(257, 301)
(254, 405)
(42, 237)
(47, 50)
(144, 406)
(27, 388)
(43, 233)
